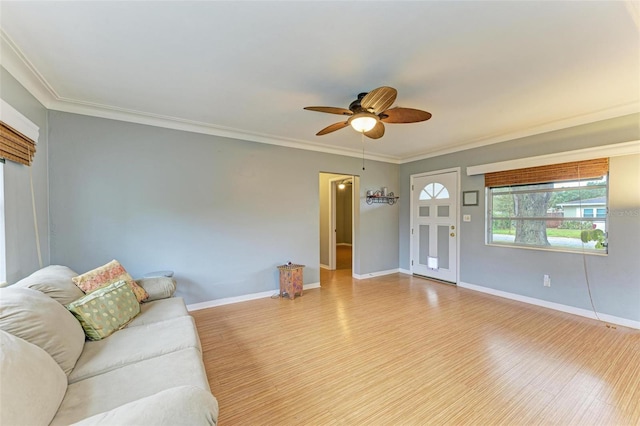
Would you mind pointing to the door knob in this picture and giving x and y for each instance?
(453, 227)
(452, 234)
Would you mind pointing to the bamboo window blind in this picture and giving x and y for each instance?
(574, 170)
(15, 146)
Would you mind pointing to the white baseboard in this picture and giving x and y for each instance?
(375, 274)
(525, 299)
(243, 298)
(322, 266)
(405, 271)
(552, 305)
(344, 244)
(310, 286)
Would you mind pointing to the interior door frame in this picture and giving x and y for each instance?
(333, 183)
(457, 170)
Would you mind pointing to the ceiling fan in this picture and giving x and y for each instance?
(368, 113)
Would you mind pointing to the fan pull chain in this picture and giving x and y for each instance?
(362, 150)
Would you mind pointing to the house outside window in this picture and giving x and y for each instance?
(589, 208)
(563, 216)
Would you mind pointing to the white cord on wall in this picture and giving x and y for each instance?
(584, 256)
(35, 216)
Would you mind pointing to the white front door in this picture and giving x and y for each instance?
(434, 233)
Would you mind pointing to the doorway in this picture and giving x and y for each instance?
(338, 213)
(434, 225)
(342, 215)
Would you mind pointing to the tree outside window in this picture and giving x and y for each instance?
(548, 215)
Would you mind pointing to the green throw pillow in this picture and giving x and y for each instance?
(106, 310)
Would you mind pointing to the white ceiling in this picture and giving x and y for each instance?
(487, 71)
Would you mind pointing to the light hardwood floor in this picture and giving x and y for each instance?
(343, 257)
(399, 350)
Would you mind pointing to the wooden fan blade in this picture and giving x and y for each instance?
(379, 99)
(332, 128)
(377, 132)
(330, 110)
(404, 115)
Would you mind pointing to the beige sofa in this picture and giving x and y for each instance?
(148, 373)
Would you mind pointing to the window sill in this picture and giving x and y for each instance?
(550, 249)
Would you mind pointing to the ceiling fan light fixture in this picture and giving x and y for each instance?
(363, 122)
(370, 112)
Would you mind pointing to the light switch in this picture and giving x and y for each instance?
(466, 218)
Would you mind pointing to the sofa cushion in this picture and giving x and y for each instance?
(33, 384)
(157, 287)
(135, 344)
(160, 310)
(38, 319)
(107, 391)
(108, 274)
(183, 405)
(106, 310)
(54, 281)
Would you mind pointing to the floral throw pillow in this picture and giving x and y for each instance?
(106, 310)
(108, 274)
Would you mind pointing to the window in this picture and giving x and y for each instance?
(18, 136)
(566, 216)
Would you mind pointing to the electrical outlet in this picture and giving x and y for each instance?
(546, 281)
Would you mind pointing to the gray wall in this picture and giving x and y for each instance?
(22, 256)
(377, 240)
(221, 213)
(614, 279)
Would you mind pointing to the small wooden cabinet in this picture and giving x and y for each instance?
(291, 280)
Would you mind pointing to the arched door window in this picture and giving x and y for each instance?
(433, 191)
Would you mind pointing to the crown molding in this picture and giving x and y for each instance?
(612, 150)
(139, 117)
(157, 120)
(16, 63)
(605, 114)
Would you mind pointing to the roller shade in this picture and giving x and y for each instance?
(551, 173)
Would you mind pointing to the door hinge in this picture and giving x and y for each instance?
(411, 231)
(412, 263)
(412, 187)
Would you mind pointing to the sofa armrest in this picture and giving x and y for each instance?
(158, 287)
(184, 405)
